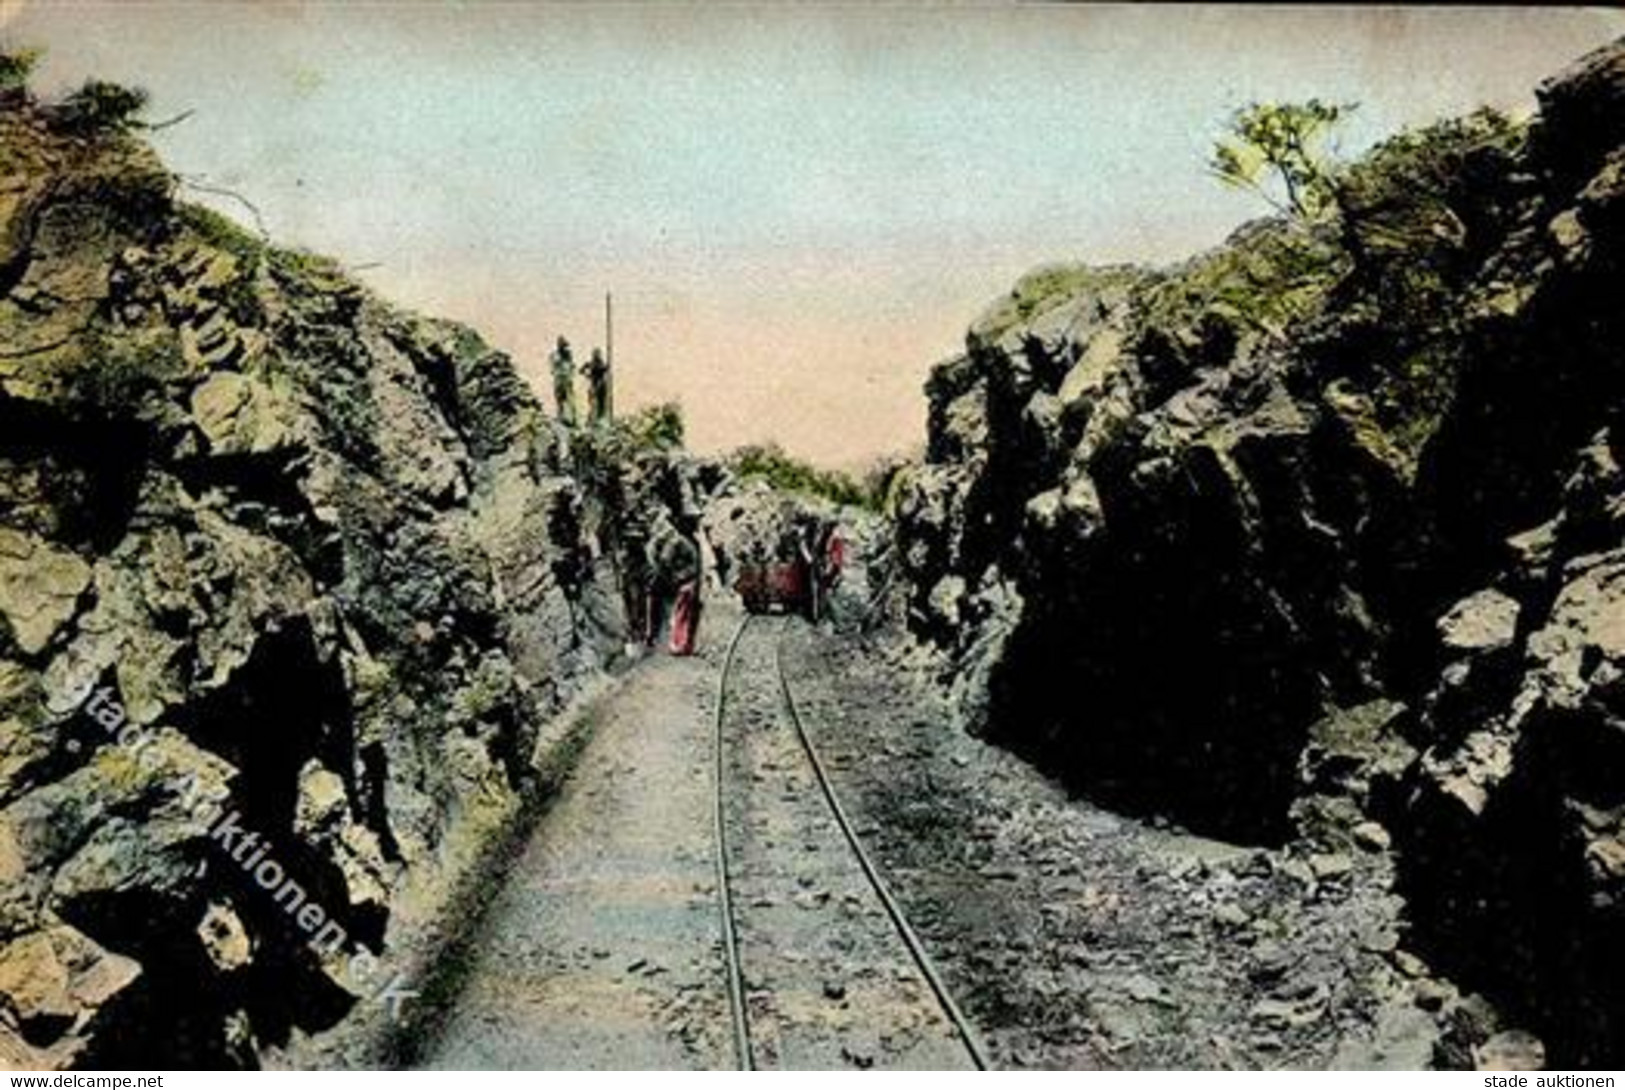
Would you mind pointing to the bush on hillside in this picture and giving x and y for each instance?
(769, 462)
(99, 108)
(16, 68)
(655, 427)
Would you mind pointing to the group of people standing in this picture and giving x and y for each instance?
(659, 563)
(600, 393)
(662, 583)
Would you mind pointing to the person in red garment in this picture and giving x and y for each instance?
(685, 620)
(823, 565)
(675, 587)
(834, 556)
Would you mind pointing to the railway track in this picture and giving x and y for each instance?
(822, 967)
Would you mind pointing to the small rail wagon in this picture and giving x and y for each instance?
(775, 587)
(793, 586)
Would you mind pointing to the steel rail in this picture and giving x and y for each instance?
(743, 1053)
(962, 1027)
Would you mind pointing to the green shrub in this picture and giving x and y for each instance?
(302, 265)
(17, 67)
(885, 478)
(655, 427)
(222, 233)
(769, 462)
(100, 107)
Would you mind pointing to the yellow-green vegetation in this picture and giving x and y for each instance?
(1282, 151)
(1415, 395)
(769, 462)
(654, 427)
(887, 481)
(1417, 216)
(1388, 241)
(1417, 211)
(320, 272)
(1045, 287)
(16, 66)
(886, 476)
(1266, 278)
(1271, 274)
(221, 231)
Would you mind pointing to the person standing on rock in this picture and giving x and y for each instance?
(596, 370)
(564, 377)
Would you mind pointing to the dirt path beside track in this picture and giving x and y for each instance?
(601, 951)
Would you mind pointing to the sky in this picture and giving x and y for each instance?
(799, 208)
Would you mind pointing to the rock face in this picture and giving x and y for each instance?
(279, 566)
(1323, 526)
(1513, 824)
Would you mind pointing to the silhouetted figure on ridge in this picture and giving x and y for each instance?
(596, 371)
(564, 377)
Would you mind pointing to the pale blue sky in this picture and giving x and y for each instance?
(798, 208)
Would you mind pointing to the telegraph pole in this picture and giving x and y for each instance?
(609, 355)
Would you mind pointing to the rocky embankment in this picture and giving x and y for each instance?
(290, 582)
(1321, 536)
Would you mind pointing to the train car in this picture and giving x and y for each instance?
(775, 586)
(792, 586)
